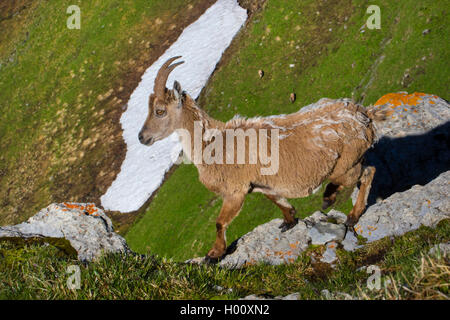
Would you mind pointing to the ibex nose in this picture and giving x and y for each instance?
(141, 137)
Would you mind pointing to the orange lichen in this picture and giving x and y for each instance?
(90, 208)
(398, 99)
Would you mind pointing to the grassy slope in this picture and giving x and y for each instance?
(343, 62)
(60, 137)
(39, 272)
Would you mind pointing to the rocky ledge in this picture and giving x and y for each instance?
(86, 227)
(396, 215)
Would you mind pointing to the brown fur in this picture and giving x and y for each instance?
(327, 142)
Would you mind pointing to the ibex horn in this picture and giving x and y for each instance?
(163, 74)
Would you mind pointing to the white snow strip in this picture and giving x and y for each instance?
(201, 44)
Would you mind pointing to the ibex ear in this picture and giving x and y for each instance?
(177, 89)
(177, 92)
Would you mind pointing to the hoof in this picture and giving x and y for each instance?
(285, 226)
(211, 260)
(350, 224)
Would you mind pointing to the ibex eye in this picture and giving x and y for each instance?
(160, 112)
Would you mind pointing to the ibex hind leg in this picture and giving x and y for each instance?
(330, 194)
(337, 184)
(361, 201)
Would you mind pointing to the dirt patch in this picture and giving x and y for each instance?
(9, 9)
(319, 271)
(252, 6)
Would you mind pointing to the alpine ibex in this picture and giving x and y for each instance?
(315, 144)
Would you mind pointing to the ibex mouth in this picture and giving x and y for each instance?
(147, 142)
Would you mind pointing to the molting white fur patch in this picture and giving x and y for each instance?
(201, 44)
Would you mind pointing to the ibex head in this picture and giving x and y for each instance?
(164, 115)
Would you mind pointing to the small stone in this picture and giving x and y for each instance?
(292, 296)
(350, 242)
(329, 256)
(316, 217)
(324, 232)
(261, 73)
(440, 250)
(337, 215)
(292, 97)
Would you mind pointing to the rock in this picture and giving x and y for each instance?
(329, 256)
(253, 297)
(221, 289)
(337, 215)
(86, 227)
(261, 73)
(323, 232)
(197, 260)
(292, 296)
(440, 250)
(336, 296)
(267, 244)
(408, 210)
(413, 143)
(326, 293)
(315, 218)
(350, 242)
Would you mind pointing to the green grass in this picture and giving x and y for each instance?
(59, 140)
(33, 271)
(343, 62)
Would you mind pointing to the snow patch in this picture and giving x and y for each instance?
(201, 44)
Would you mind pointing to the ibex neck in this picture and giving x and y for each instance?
(193, 113)
(195, 123)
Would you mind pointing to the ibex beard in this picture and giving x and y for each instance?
(307, 148)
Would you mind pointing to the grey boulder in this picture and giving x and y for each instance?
(86, 227)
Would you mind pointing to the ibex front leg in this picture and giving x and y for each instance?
(230, 209)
